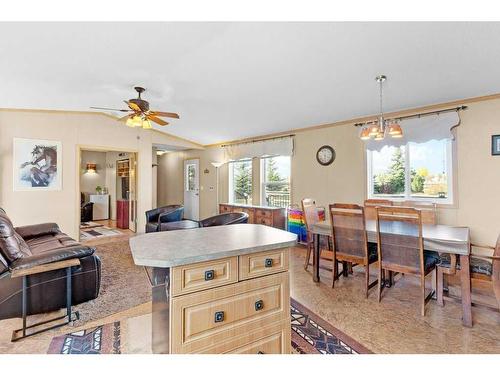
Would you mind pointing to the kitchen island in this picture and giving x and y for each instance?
(221, 289)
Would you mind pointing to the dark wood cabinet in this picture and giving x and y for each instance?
(122, 219)
(270, 216)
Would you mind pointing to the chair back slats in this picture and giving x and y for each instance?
(348, 229)
(428, 210)
(311, 216)
(370, 207)
(399, 231)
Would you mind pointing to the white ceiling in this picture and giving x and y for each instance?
(235, 80)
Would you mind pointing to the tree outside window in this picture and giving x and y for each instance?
(241, 182)
(414, 171)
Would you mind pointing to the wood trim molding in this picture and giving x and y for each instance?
(403, 112)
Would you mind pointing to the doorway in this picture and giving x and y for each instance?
(192, 189)
(107, 190)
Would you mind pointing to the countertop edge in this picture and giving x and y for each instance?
(204, 258)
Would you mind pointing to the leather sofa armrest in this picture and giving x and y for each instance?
(52, 256)
(45, 267)
(31, 231)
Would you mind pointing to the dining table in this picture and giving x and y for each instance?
(440, 238)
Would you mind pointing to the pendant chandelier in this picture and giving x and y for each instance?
(381, 127)
(139, 121)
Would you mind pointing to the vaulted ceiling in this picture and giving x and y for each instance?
(235, 80)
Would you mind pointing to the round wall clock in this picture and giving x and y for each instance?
(325, 155)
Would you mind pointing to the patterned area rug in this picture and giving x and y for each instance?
(90, 224)
(102, 231)
(99, 340)
(310, 335)
(313, 335)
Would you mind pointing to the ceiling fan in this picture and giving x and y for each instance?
(139, 114)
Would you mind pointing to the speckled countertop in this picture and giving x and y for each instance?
(179, 247)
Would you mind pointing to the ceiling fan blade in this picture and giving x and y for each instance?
(159, 121)
(164, 114)
(112, 109)
(133, 106)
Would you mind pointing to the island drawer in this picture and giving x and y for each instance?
(270, 339)
(264, 263)
(206, 319)
(200, 276)
(274, 344)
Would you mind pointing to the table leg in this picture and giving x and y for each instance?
(466, 291)
(316, 257)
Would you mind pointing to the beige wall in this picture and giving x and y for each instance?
(478, 173)
(170, 178)
(87, 130)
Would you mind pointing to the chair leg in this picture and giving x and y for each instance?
(367, 278)
(439, 286)
(379, 287)
(422, 287)
(308, 256)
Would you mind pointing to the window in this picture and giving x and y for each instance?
(416, 171)
(275, 181)
(240, 182)
(191, 174)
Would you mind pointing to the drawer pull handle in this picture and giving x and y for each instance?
(259, 305)
(219, 316)
(209, 275)
(269, 262)
(260, 352)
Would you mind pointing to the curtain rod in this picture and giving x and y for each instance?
(418, 115)
(259, 140)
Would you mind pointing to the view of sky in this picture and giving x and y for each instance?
(430, 155)
(282, 163)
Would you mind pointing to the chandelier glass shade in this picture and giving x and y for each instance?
(139, 122)
(381, 127)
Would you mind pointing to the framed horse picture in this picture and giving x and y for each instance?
(37, 165)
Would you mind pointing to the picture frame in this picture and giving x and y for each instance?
(495, 145)
(37, 165)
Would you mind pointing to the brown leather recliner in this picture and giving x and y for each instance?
(33, 245)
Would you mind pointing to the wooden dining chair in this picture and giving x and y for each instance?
(370, 207)
(484, 269)
(401, 247)
(310, 218)
(427, 209)
(350, 242)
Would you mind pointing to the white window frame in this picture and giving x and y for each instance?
(231, 178)
(450, 173)
(263, 183)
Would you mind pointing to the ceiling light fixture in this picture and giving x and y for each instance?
(139, 122)
(381, 126)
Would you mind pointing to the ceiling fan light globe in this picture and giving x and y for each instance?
(130, 122)
(146, 124)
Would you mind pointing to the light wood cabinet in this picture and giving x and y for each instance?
(206, 275)
(270, 216)
(265, 263)
(244, 307)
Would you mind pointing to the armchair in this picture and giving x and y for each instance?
(225, 219)
(86, 209)
(165, 214)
